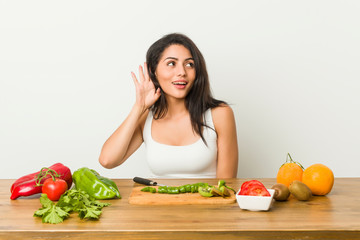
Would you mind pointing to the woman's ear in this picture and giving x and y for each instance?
(150, 72)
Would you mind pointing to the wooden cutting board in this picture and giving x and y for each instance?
(138, 197)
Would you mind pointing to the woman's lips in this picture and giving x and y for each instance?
(181, 84)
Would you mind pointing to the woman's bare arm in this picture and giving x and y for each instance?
(127, 138)
(224, 122)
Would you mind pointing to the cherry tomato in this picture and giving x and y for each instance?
(54, 189)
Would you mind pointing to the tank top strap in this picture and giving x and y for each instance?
(208, 119)
(147, 127)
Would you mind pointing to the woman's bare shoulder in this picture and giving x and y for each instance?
(221, 111)
(223, 116)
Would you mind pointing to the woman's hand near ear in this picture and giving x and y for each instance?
(146, 94)
(127, 138)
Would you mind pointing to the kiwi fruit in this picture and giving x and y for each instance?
(226, 192)
(300, 190)
(223, 191)
(216, 192)
(282, 192)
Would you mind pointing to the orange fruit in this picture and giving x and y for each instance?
(289, 172)
(319, 178)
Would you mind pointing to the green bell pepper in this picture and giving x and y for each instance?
(95, 185)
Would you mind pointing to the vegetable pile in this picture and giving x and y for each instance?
(32, 183)
(54, 183)
(71, 201)
(204, 189)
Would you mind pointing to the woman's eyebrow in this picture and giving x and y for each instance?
(174, 58)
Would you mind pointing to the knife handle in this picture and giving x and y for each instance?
(144, 181)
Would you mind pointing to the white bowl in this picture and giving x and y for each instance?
(255, 203)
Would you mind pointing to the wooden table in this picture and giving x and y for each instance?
(335, 216)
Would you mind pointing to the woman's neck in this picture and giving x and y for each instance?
(176, 107)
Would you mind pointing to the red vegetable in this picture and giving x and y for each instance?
(245, 186)
(258, 190)
(32, 184)
(253, 188)
(54, 188)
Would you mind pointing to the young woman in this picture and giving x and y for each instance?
(187, 133)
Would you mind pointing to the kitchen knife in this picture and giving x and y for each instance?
(146, 181)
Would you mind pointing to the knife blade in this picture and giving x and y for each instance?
(145, 181)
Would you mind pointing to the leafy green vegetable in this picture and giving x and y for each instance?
(71, 201)
(50, 213)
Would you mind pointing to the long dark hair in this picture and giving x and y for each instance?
(199, 98)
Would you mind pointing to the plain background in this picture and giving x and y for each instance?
(289, 69)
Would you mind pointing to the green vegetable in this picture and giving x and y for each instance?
(149, 189)
(182, 189)
(50, 212)
(204, 189)
(162, 189)
(95, 185)
(222, 183)
(173, 190)
(188, 188)
(71, 201)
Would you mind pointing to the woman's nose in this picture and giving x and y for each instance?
(181, 70)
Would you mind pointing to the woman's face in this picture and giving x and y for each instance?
(176, 71)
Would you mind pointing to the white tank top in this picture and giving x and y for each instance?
(190, 161)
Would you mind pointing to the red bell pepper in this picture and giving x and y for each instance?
(32, 184)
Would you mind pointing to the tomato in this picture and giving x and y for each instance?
(253, 188)
(258, 190)
(54, 189)
(247, 183)
(245, 186)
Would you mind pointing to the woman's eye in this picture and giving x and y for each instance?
(190, 64)
(171, 64)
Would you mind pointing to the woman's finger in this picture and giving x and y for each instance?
(136, 82)
(141, 74)
(147, 77)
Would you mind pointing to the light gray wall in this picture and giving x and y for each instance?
(289, 69)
